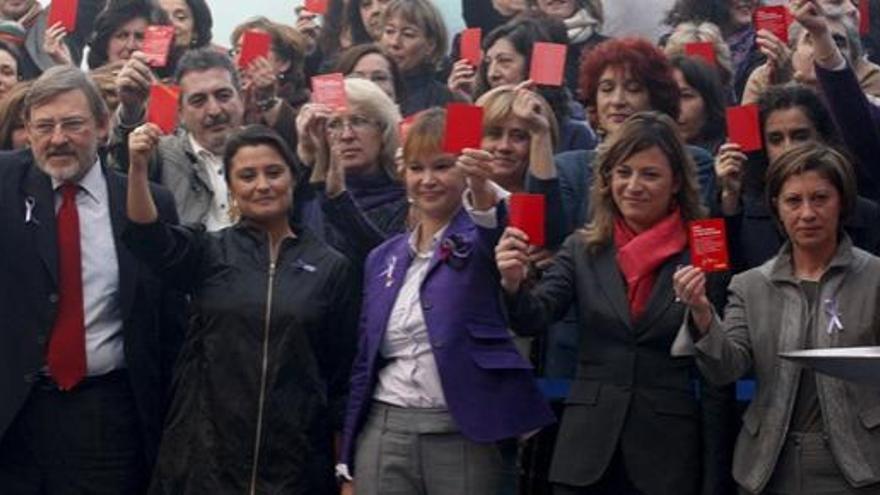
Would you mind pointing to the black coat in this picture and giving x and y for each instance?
(267, 356)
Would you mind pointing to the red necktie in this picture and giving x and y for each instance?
(67, 346)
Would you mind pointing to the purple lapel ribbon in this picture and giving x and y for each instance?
(389, 272)
(833, 312)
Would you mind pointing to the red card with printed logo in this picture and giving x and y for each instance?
(63, 11)
(548, 63)
(743, 127)
(527, 212)
(157, 44)
(864, 17)
(316, 6)
(469, 45)
(162, 110)
(701, 50)
(329, 89)
(464, 127)
(254, 44)
(708, 240)
(773, 18)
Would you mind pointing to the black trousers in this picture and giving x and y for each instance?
(615, 481)
(84, 441)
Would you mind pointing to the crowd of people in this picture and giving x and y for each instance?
(281, 295)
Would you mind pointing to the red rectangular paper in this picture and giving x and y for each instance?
(254, 44)
(743, 127)
(162, 109)
(527, 213)
(329, 89)
(63, 11)
(703, 50)
(316, 6)
(469, 45)
(864, 17)
(157, 44)
(548, 63)
(464, 127)
(708, 240)
(773, 18)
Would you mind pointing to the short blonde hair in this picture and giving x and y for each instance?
(424, 14)
(375, 104)
(497, 106)
(425, 135)
(704, 32)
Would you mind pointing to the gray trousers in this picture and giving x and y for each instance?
(402, 451)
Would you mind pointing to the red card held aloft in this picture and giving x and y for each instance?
(527, 213)
(469, 45)
(329, 89)
(254, 44)
(162, 110)
(708, 240)
(63, 11)
(316, 6)
(864, 17)
(743, 127)
(773, 18)
(464, 127)
(157, 44)
(703, 50)
(548, 63)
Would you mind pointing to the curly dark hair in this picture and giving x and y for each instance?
(783, 97)
(715, 11)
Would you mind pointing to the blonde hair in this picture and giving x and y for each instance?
(497, 106)
(424, 14)
(373, 102)
(704, 32)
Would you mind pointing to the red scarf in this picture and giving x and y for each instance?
(640, 255)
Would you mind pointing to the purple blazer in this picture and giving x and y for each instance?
(489, 387)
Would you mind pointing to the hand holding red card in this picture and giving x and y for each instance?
(708, 241)
(469, 45)
(316, 6)
(162, 110)
(527, 213)
(773, 18)
(744, 128)
(157, 44)
(254, 44)
(464, 127)
(329, 89)
(702, 50)
(548, 63)
(63, 11)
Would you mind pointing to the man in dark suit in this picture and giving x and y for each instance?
(84, 345)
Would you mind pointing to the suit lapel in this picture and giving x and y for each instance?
(116, 192)
(38, 192)
(661, 294)
(612, 284)
(459, 224)
(392, 273)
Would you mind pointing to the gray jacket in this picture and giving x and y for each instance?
(768, 313)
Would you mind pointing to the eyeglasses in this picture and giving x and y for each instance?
(45, 128)
(357, 123)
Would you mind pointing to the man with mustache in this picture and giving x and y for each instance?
(86, 350)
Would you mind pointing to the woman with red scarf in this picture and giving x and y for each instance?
(631, 423)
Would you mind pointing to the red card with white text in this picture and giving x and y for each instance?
(157, 44)
(743, 127)
(773, 18)
(316, 6)
(63, 11)
(162, 109)
(254, 44)
(527, 213)
(548, 63)
(464, 127)
(329, 89)
(708, 240)
(702, 50)
(864, 17)
(469, 45)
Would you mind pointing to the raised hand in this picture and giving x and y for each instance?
(54, 45)
(142, 142)
(463, 78)
(689, 283)
(512, 259)
(778, 56)
(730, 166)
(477, 167)
(527, 106)
(310, 128)
(133, 84)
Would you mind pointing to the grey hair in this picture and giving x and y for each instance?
(203, 59)
(61, 79)
(373, 101)
(836, 15)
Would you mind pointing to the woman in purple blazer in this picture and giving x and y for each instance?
(437, 380)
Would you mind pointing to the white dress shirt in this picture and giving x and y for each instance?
(218, 214)
(100, 273)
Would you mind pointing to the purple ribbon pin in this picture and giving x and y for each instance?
(833, 312)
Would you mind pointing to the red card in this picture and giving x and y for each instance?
(63, 11)
(743, 127)
(527, 212)
(773, 18)
(254, 44)
(162, 110)
(157, 44)
(329, 89)
(864, 17)
(703, 50)
(469, 45)
(464, 127)
(548, 63)
(708, 240)
(316, 6)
